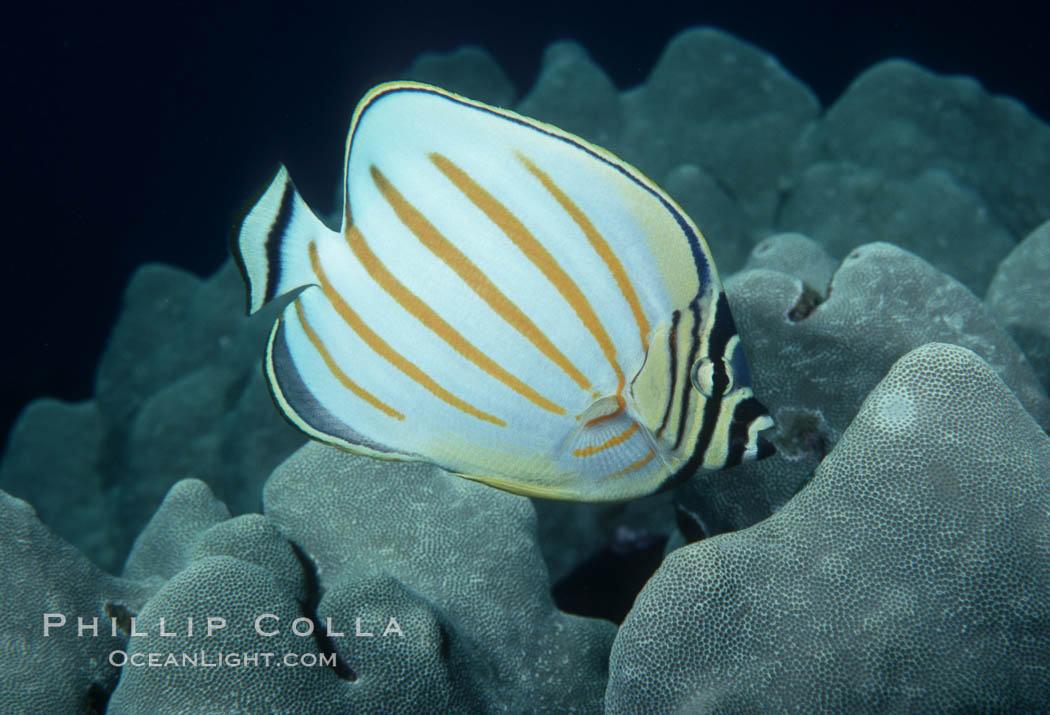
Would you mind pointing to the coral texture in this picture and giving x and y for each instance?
(932, 215)
(463, 558)
(905, 120)
(910, 574)
(814, 359)
(1019, 298)
(348, 544)
(51, 661)
(178, 394)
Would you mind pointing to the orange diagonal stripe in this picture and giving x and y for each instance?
(473, 276)
(426, 315)
(343, 378)
(621, 405)
(637, 465)
(535, 252)
(600, 245)
(382, 348)
(611, 442)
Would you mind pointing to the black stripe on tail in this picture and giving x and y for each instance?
(273, 241)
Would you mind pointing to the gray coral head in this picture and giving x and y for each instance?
(909, 574)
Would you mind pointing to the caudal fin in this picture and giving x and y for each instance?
(271, 245)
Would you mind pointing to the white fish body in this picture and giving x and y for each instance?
(505, 300)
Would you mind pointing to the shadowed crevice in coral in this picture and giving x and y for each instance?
(121, 615)
(97, 699)
(804, 433)
(807, 302)
(606, 583)
(689, 522)
(309, 608)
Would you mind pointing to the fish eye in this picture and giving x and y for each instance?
(708, 380)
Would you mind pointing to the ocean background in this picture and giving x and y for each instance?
(135, 134)
(893, 556)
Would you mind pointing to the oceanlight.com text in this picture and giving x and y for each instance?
(206, 659)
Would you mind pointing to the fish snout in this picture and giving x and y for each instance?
(764, 448)
(756, 429)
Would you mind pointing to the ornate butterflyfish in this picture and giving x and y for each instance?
(505, 300)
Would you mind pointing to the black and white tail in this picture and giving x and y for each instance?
(271, 244)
